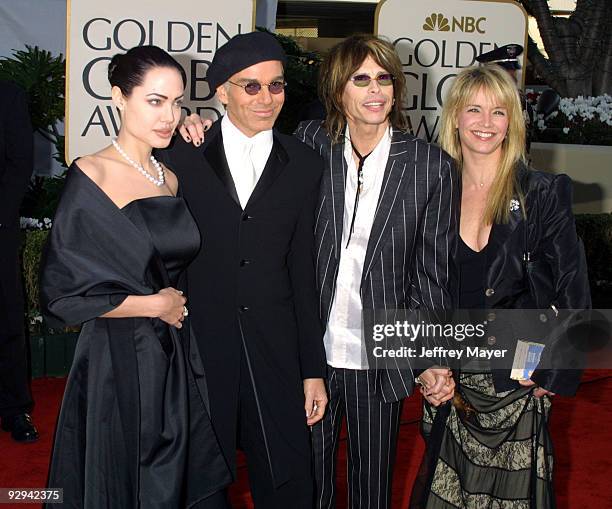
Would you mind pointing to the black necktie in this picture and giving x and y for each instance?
(359, 184)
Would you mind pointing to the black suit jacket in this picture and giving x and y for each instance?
(15, 172)
(16, 152)
(551, 240)
(252, 286)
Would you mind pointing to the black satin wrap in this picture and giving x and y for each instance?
(134, 429)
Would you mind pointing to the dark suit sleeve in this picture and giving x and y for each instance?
(306, 131)
(563, 249)
(564, 253)
(18, 155)
(436, 238)
(302, 273)
(435, 277)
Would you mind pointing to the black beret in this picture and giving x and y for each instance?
(506, 56)
(240, 52)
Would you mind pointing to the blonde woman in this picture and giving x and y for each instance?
(492, 448)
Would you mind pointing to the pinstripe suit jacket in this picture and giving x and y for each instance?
(408, 261)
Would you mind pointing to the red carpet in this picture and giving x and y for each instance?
(581, 432)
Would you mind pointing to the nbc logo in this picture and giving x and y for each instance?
(468, 24)
(436, 22)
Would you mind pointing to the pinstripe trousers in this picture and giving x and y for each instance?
(372, 428)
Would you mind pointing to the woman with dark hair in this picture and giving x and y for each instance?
(134, 429)
(492, 447)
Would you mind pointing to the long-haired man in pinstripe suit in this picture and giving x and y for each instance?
(386, 224)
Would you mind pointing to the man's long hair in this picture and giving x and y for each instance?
(340, 65)
(497, 83)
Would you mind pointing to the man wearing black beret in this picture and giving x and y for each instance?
(252, 291)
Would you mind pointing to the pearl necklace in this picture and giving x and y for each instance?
(161, 176)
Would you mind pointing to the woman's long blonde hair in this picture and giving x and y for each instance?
(497, 83)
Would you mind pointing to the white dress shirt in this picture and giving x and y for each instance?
(344, 344)
(246, 157)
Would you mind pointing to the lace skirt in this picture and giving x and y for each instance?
(495, 454)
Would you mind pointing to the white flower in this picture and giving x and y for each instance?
(36, 319)
(30, 223)
(514, 205)
(580, 111)
(587, 108)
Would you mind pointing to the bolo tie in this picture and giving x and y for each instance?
(359, 186)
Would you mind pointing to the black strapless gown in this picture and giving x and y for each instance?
(179, 461)
(166, 404)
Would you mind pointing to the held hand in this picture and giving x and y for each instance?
(437, 385)
(538, 392)
(171, 307)
(315, 399)
(445, 394)
(193, 127)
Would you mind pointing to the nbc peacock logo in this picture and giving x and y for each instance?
(437, 22)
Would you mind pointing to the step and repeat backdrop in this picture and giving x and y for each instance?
(190, 30)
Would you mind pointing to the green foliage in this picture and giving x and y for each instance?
(42, 197)
(42, 76)
(301, 74)
(32, 250)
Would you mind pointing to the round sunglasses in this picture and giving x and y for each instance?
(363, 80)
(253, 87)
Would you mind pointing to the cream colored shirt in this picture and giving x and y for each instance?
(344, 344)
(246, 157)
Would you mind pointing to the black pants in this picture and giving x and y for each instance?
(15, 395)
(296, 493)
(372, 427)
(217, 501)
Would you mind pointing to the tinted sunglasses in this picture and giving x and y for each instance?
(253, 87)
(363, 80)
